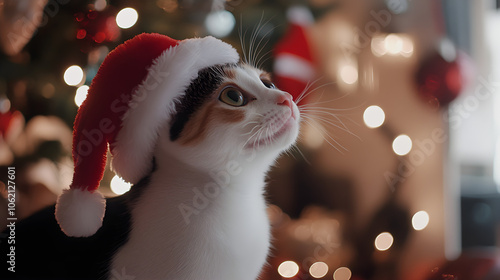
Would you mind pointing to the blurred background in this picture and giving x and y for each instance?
(396, 174)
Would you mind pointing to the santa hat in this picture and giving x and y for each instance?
(294, 65)
(132, 95)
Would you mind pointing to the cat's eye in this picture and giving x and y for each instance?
(233, 97)
(268, 84)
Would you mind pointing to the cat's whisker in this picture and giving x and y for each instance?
(328, 121)
(260, 48)
(328, 138)
(252, 136)
(319, 112)
(295, 147)
(266, 57)
(242, 39)
(306, 90)
(251, 131)
(253, 39)
(309, 92)
(249, 123)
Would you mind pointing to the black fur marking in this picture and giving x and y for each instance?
(196, 94)
(43, 251)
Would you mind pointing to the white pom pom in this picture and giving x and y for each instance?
(80, 212)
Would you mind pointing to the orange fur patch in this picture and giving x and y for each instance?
(230, 73)
(265, 76)
(197, 127)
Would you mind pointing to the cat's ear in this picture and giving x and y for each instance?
(131, 97)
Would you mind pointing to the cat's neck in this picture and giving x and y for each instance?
(184, 211)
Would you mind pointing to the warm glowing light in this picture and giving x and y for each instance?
(349, 74)
(220, 23)
(374, 116)
(378, 46)
(126, 18)
(318, 269)
(420, 220)
(100, 5)
(407, 49)
(393, 44)
(302, 232)
(4, 106)
(288, 269)
(119, 186)
(81, 94)
(73, 75)
(402, 145)
(384, 241)
(342, 273)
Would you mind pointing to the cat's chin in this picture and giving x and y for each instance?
(281, 139)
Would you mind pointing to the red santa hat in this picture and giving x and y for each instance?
(132, 95)
(294, 65)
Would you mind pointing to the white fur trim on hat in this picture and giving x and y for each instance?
(80, 212)
(153, 103)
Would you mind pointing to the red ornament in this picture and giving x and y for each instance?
(95, 28)
(441, 80)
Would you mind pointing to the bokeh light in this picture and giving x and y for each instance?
(402, 145)
(393, 44)
(318, 269)
(378, 46)
(384, 241)
(220, 23)
(349, 74)
(374, 116)
(420, 220)
(81, 95)
(119, 186)
(342, 273)
(73, 76)
(126, 18)
(288, 269)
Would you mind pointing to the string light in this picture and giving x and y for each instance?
(349, 74)
(378, 46)
(384, 241)
(220, 23)
(318, 269)
(126, 18)
(374, 116)
(420, 220)
(73, 76)
(81, 95)
(288, 269)
(392, 44)
(402, 145)
(342, 273)
(119, 186)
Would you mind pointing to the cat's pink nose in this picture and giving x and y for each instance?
(286, 100)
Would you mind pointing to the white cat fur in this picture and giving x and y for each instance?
(203, 214)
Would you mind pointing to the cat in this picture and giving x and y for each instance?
(201, 212)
